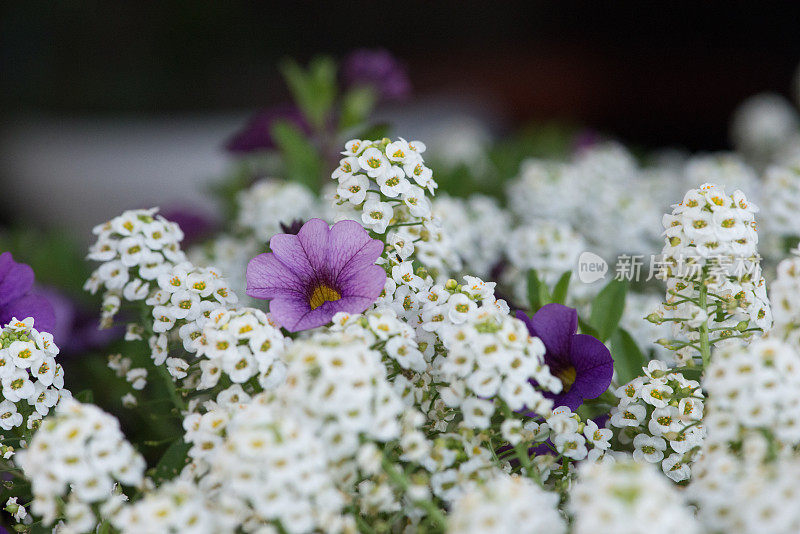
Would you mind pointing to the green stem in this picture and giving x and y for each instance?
(705, 346)
(400, 479)
(174, 396)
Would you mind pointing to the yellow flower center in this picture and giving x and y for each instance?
(567, 376)
(321, 295)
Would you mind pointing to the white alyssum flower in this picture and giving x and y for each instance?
(134, 249)
(230, 255)
(81, 452)
(176, 506)
(183, 303)
(478, 230)
(661, 414)
(762, 124)
(264, 464)
(749, 492)
(29, 374)
(710, 248)
(621, 496)
(270, 202)
(241, 343)
(506, 504)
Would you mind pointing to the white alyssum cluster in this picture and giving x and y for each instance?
(460, 141)
(782, 201)
(550, 247)
(134, 249)
(268, 465)
(384, 184)
(382, 327)
(613, 208)
(32, 381)
(78, 455)
(229, 254)
(184, 299)
(725, 169)
(268, 203)
(241, 343)
(340, 383)
(762, 124)
(571, 437)
(478, 230)
(746, 493)
(540, 191)
(506, 504)
(784, 293)
(755, 386)
(623, 496)
(487, 353)
(177, 506)
(660, 415)
(711, 267)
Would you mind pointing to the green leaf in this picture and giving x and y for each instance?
(356, 107)
(586, 328)
(372, 131)
(561, 288)
(299, 156)
(607, 308)
(86, 396)
(173, 460)
(538, 295)
(628, 358)
(314, 89)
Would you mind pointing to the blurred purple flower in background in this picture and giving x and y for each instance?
(257, 133)
(17, 299)
(195, 223)
(582, 362)
(378, 69)
(76, 329)
(311, 276)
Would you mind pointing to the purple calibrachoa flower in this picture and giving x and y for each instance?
(582, 362)
(16, 299)
(257, 133)
(311, 276)
(378, 69)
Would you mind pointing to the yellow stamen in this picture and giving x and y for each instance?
(321, 295)
(567, 376)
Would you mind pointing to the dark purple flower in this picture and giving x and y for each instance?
(195, 223)
(378, 69)
(257, 134)
(16, 299)
(77, 329)
(311, 276)
(584, 140)
(293, 227)
(583, 363)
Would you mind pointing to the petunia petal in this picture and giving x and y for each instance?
(571, 399)
(16, 279)
(555, 325)
(292, 312)
(593, 365)
(268, 278)
(288, 249)
(351, 248)
(368, 282)
(314, 237)
(36, 306)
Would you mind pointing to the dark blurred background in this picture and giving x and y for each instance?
(652, 74)
(658, 73)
